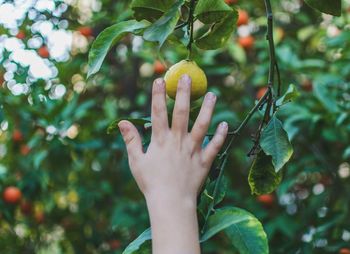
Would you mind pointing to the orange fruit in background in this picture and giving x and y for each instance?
(43, 52)
(243, 18)
(25, 150)
(159, 67)
(246, 42)
(229, 2)
(344, 251)
(20, 35)
(266, 199)
(12, 195)
(261, 92)
(86, 31)
(17, 136)
(114, 244)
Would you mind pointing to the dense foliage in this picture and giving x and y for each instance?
(70, 186)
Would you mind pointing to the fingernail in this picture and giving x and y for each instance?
(210, 97)
(159, 82)
(223, 127)
(185, 79)
(121, 127)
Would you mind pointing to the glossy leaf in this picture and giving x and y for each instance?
(211, 11)
(274, 141)
(138, 242)
(163, 27)
(219, 34)
(107, 38)
(136, 121)
(244, 230)
(150, 9)
(263, 178)
(332, 7)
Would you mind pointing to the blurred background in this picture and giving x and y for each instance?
(65, 184)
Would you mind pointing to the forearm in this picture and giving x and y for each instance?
(174, 225)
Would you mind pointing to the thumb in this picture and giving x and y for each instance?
(131, 138)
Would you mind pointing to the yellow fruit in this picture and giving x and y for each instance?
(199, 80)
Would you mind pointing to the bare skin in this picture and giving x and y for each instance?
(172, 170)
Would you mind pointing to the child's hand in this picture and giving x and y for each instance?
(172, 170)
(175, 164)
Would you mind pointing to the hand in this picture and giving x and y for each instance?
(172, 170)
(175, 163)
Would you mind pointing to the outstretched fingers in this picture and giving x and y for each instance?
(214, 146)
(131, 138)
(182, 106)
(202, 123)
(159, 110)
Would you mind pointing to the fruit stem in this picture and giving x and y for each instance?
(190, 22)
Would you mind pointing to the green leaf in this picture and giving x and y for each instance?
(263, 178)
(106, 39)
(136, 121)
(163, 27)
(274, 141)
(244, 230)
(138, 242)
(291, 94)
(211, 11)
(332, 7)
(326, 97)
(219, 34)
(150, 9)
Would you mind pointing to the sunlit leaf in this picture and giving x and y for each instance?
(138, 242)
(163, 27)
(291, 94)
(244, 230)
(150, 9)
(106, 39)
(263, 178)
(274, 141)
(211, 11)
(219, 34)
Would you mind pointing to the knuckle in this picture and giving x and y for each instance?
(129, 139)
(157, 110)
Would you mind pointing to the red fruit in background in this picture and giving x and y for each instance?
(25, 150)
(85, 30)
(12, 195)
(344, 251)
(20, 35)
(266, 199)
(26, 208)
(159, 67)
(246, 42)
(17, 136)
(261, 92)
(114, 244)
(243, 18)
(307, 86)
(43, 52)
(229, 2)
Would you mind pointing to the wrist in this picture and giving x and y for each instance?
(171, 200)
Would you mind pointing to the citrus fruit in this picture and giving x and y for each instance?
(199, 80)
(246, 42)
(12, 195)
(243, 18)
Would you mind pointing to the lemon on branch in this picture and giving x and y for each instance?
(199, 80)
